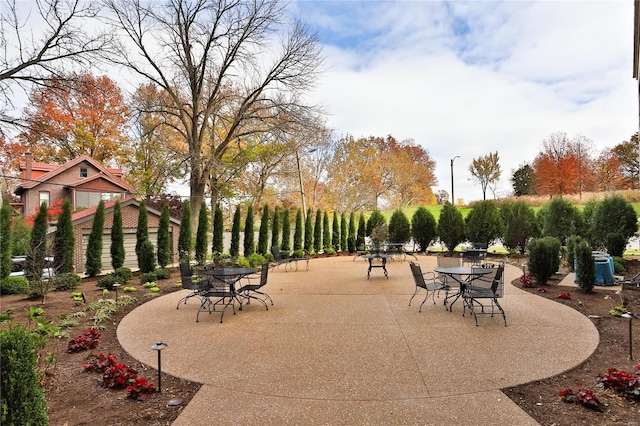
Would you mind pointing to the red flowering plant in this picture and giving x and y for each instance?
(564, 295)
(89, 339)
(99, 362)
(526, 280)
(140, 389)
(621, 382)
(118, 376)
(585, 397)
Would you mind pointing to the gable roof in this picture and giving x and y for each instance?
(104, 172)
(87, 214)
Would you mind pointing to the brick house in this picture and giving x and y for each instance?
(85, 182)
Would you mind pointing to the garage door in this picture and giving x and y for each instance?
(130, 258)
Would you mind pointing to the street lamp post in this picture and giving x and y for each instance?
(453, 199)
(304, 205)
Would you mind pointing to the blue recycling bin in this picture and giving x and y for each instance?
(604, 269)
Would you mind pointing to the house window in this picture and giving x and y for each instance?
(44, 197)
(84, 172)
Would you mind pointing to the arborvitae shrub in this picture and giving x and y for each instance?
(162, 273)
(616, 244)
(586, 273)
(147, 257)
(572, 242)
(543, 258)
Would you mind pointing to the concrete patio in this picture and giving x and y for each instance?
(336, 348)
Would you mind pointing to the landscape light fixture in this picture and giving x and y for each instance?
(159, 346)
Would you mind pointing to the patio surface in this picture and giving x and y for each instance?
(336, 348)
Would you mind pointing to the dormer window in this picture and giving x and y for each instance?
(84, 172)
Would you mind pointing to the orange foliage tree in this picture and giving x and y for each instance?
(75, 115)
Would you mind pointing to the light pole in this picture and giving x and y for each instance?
(453, 200)
(304, 204)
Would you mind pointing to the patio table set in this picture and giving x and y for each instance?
(219, 288)
(479, 285)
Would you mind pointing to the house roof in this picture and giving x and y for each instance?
(55, 170)
(87, 214)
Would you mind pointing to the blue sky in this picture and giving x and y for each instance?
(469, 78)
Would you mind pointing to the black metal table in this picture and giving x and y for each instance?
(463, 275)
(383, 265)
(222, 285)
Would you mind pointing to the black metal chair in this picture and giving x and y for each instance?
(189, 282)
(421, 279)
(252, 289)
(215, 294)
(487, 287)
(277, 256)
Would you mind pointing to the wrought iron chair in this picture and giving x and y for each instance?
(277, 256)
(216, 293)
(252, 290)
(426, 281)
(450, 285)
(189, 282)
(488, 287)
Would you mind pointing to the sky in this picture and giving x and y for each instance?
(464, 79)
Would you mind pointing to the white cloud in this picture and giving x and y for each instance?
(472, 78)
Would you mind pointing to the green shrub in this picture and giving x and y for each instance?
(586, 273)
(423, 228)
(147, 257)
(399, 227)
(124, 274)
(544, 255)
(22, 399)
(329, 251)
(616, 243)
(162, 273)
(14, 285)
(255, 259)
(572, 242)
(108, 281)
(66, 281)
(296, 253)
(243, 262)
(619, 267)
(148, 277)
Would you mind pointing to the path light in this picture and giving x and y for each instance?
(159, 346)
(629, 315)
(116, 285)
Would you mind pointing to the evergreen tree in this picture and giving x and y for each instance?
(343, 232)
(201, 234)
(484, 223)
(317, 232)
(285, 246)
(335, 232)
(5, 238)
(93, 264)
(326, 231)
(351, 238)
(235, 234)
(399, 227)
(308, 232)
(362, 232)
(142, 232)
(275, 228)
(164, 238)
(117, 238)
(451, 227)
(263, 237)
(217, 245)
(249, 237)
(423, 228)
(184, 240)
(376, 218)
(297, 233)
(147, 257)
(37, 246)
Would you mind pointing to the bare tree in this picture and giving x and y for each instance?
(41, 39)
(486, 170)
(229, 67)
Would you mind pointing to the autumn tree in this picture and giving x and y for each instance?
(564, 166)
(522, 180)
(77, 114)
(628, 154)
(224, 80)
(156, 144)
(607, 172)
(485, 170)
(40, 40)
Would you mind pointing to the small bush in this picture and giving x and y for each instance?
(586, 267)
(147, 258)
(108, 281)
(255, 259)
(620, 264)
(243, 262)
(148, 277)
(124, 274)
(22, 399)
(297, 253)
(67, 281)
(329, 251)
(162, 273)
(14, 285)
(616, 243)
(544, 258)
